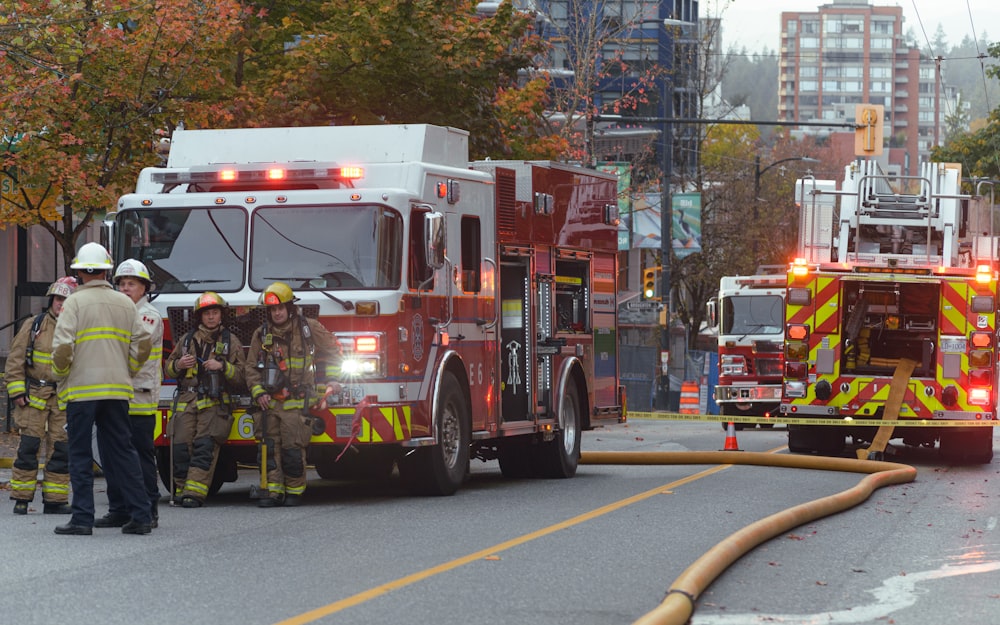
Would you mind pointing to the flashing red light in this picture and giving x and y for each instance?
(366, 344)
(227, 175)
(981, 339)
(352, 172)
(275, 173)
(797, 332)
(442, 189)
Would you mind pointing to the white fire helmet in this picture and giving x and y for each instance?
(63, 287)
(92, 256)
(133, 269)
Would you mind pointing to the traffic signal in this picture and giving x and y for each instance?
(650, 289)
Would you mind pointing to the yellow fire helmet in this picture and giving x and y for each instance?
(208, 299)
(277, 293)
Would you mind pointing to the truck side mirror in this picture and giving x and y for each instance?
(712, 313)
(435, 243)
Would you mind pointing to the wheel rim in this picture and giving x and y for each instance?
(567, 422)
(450, 435)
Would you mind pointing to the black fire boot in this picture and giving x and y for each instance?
(56, 508)
(21, 507)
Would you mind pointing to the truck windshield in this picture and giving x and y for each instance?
(327, 248)
(752, 314)
(186, 250)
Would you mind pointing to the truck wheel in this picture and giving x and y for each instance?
(226, 470)
(728, 410)
(440, 469)
(163, 467)
(810, 439)
(967, 446)
(559, 457)
(515, 458)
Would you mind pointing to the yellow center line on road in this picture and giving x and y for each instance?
(372, 593)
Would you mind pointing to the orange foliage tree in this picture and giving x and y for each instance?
(84, 88)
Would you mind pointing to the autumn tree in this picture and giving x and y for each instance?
(976, 150)
(86, 86)
(383, 61)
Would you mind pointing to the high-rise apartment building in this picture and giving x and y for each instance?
(848, 52)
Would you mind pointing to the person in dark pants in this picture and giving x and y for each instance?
(99, 344)
(132, 278)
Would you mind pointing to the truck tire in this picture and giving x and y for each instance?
(226, 469)
(515, 458)
(163, 467)
(440, 469)
(970, 446)
(812, 439)
(559, 457)
(729, 410)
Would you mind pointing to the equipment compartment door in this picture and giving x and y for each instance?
(515, 339)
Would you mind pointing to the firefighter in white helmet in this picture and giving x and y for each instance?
(207, 362)
(132, 278)
(37, 414)
(282, 374)
(99, 344)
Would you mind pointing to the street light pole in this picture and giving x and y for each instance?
(757, 173)
(666, 214)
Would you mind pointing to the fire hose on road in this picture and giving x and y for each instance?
(679, 602)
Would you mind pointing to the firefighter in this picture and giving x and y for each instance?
(37, 413)
(208, 364)
(99, 344)
(282, 376)
(132, 278)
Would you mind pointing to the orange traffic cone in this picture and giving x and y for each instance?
(731, 444)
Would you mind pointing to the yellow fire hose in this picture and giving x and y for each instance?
(678, 604)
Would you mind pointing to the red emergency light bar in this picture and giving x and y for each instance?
(259, 173)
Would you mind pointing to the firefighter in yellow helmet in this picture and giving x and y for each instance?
(289, 356)
(208, 364)
(37, 414)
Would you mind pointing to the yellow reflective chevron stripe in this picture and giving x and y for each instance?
(17, 486)
(83, 393)
(42, 358)
(105, 334)
(196, 487)
(139, 409)
(51, 488)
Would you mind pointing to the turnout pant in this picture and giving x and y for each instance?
(37, 426)
(211, 430)
(287, 437)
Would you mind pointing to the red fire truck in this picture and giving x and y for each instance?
(750, 322)
(475, 302)
(892, 312)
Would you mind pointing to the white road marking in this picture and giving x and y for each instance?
(896, 593)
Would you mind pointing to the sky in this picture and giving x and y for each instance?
(755, 24)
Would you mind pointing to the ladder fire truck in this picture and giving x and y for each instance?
(475, 302)
(750, 318)
(891, 313)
